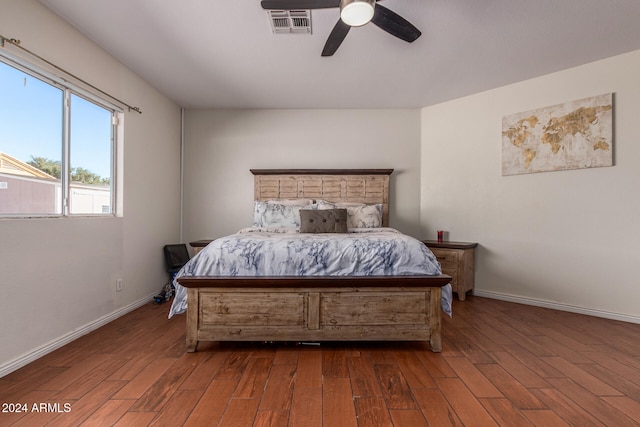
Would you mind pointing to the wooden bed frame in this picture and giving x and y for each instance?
(363, 308)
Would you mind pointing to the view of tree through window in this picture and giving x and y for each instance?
(35, 155)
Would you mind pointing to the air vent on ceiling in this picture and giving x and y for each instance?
(290, 21)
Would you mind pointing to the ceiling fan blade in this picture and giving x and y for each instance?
(395, 24)
(299, 4)
(336, 37)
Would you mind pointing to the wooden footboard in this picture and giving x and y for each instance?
(380, 308)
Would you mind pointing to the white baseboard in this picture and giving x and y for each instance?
(37, 353)
(557, 306)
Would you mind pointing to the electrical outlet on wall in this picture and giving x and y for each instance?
(118, 285)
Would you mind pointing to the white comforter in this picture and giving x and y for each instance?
(286, 252)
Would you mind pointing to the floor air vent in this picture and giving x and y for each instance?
(290, 21)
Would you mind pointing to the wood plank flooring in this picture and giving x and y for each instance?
(502, 364)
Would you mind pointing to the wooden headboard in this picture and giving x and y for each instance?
(370, 186)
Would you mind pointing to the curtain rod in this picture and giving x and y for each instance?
(16, 43)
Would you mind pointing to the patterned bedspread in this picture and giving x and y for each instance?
(257, 251)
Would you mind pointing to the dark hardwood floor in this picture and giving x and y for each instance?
(502, 364)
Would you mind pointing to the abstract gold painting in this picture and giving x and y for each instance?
(573, 135)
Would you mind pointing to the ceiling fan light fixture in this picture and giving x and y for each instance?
(356, 13)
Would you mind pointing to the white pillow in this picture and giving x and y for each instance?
(359, 215)
(367, 216)
(278, 213)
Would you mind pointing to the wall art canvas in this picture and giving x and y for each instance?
(573, 135)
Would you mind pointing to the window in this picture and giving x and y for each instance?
(57, 147)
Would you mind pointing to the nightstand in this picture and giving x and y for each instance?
(457, 260)
(199, 245)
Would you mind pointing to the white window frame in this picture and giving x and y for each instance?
(68, 89)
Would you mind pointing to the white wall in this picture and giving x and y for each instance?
(58, 275)
(568, 238)
(222, 145)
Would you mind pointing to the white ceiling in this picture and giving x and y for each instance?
(222, 53)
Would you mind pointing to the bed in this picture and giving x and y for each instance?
(286, 281)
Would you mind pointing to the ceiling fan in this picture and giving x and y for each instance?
(353, 13)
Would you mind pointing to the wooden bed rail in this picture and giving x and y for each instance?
(313, 281)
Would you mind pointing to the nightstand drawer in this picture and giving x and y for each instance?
(457, 260)
(446, 257)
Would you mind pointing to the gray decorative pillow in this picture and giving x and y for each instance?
(323, 221)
